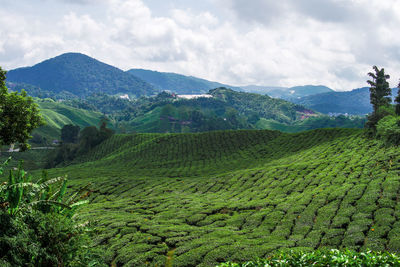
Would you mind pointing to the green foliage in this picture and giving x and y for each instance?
(20, 194)
(267, 107)
(57, 115)
(19, 116)
(37, 225)
(379, 91)
(321, 258)
(89, 138)
(388, 128)
(70, 133)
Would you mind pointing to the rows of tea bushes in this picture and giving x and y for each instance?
(204, 199)
(172, 155)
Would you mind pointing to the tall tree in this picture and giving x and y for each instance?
(19, 115)
(380, 91)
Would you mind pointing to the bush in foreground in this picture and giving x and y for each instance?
(331, 257)
(37, 225)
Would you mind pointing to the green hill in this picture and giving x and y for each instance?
(262, 105)
(57, 115)
(79, 75)
(224, 196)
(177, 83)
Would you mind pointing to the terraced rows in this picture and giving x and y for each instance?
(332, 188)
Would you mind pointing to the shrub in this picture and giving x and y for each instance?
(331, 257)
(388, 129)
(37, 228)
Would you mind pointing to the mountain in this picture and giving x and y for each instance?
(177, 83)
(79, 75)
(356, 101)
(288, 93)
(206, 198)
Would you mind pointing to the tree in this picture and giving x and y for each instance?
(70, 133)
(380, 91)
(19, 115)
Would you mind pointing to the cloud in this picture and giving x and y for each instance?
(248, 42)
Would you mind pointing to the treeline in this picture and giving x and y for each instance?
(75, 142)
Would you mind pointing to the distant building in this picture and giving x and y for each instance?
(125, 96)
(194, 96)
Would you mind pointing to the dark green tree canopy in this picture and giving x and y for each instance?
(380, 91)
(19, 115)
(70, 133)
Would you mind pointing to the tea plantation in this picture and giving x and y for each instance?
(207, 198)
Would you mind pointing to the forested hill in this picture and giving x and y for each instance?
(79, 75)
(177, 83)
(262, 105)
(356, 101)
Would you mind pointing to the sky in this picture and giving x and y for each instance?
(237, 42)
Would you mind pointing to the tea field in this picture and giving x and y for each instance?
(202, 199)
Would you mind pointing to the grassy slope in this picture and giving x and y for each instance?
(237, 195)
(57, 115)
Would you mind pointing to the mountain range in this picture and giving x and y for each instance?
(177, 83)
(73, 75)
(288, 93)
(355, 102)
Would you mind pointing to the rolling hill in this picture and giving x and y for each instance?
(226, 109)
(177, 83)
(56, 115)
(79, 75)
(206, 198)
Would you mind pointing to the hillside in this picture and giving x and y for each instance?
(225, 110)
(356, 101)
(177, 83)
(288, 93)
(79, 75)
(223, 196)
(262, 105)
(56, 115)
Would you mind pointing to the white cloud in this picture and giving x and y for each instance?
(287, 43)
